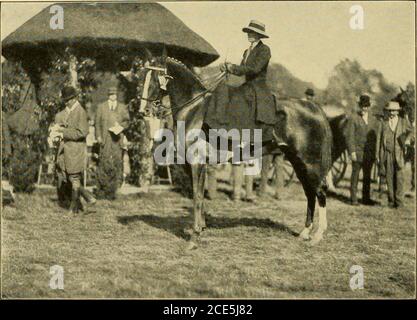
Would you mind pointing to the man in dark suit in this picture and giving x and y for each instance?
(394, 134)
(112, 117)
(361, 143)
(71, 128)
(254, 67)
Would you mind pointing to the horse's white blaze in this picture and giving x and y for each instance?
(145, 93)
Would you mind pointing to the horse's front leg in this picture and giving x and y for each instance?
(321, 197)
(198, 176)
(311, 203)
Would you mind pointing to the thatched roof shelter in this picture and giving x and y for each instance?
(109, 28)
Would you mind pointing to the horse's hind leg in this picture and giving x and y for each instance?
(321, 197)
(311, 203)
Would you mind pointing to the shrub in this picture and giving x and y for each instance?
(24, 166)
(109, 174)
(181, 179)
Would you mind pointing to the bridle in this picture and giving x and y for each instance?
(144, 98)
(163, 81)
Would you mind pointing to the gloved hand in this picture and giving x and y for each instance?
(223, 67)
(353, 156)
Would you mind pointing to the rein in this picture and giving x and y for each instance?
(217, 79)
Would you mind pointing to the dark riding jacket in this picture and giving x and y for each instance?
(255, 69)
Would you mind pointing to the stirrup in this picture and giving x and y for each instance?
(278, 141)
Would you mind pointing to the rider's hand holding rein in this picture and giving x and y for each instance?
(226, 67)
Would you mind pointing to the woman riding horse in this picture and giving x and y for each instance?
(254, 67)
(304, 134)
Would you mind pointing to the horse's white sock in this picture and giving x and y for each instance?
(322, 219)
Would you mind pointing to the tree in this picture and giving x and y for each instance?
(349, 80)
(411, 103)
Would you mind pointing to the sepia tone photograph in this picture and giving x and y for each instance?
(208, 150)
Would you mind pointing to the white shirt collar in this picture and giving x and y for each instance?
(254, 44)
(74, 105)
(112, 104)
(393, 123)
(365, 117)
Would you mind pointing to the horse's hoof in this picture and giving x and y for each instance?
(191, 246)
(316, 239)
(305, 234)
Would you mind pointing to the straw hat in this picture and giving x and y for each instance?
(257, 27)
(393, 106)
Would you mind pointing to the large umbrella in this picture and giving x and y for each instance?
(93, 28)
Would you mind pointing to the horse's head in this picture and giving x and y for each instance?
(152, 80)
(404, 100)
(164, 75)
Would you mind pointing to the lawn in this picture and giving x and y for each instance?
(135, 247)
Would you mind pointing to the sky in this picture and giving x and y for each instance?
(309, 38)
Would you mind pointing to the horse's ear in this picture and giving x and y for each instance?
(148, 55)
(402, 90)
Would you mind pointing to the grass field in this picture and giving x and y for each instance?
(135, 247)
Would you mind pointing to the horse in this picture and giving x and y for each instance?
(407, 111)
(305, 136)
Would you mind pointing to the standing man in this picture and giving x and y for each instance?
(278, 162)
(71, 129)
(112, 117)
(394, 134)
(238, 174)
(361, 144)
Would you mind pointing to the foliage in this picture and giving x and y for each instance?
(181, 179)
(15, 83)
(108, 178)
(349, 80)
(24, 165)
(411, 103)
(138, 134)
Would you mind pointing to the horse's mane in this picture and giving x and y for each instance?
(183, 73)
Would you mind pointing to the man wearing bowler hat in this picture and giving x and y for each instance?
(71, 129)
(394, 134)
(112, 118)
(361, 143)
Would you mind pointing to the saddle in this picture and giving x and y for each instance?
(243, 107)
